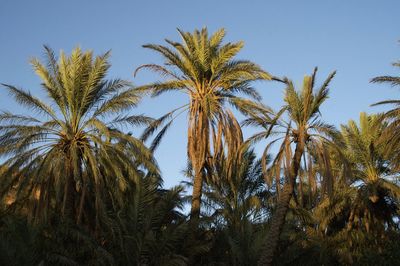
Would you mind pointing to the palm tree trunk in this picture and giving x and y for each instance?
(198, 147)
(278, 220)
(277, 223)
(81, 205)
(301, 192)
(196, 196)
(68, 209)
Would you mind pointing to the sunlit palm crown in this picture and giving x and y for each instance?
(362, 147)
(73, 143)
(204, 69)
(371, 197)
(366, 152)
(304, 106)
(299, 120)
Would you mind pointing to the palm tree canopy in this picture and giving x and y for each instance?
(362, 146)
(202, 67)
(74, 143)
(205, 69)
(368, 196)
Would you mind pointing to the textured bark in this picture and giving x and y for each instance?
(198, 141)
(81, 205)
(196, 197)
(70, 195)
(278, 220)
(301, 193)
(277, 223)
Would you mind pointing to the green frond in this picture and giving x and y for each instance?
(26, 99)
(120, 102)
(393, 81)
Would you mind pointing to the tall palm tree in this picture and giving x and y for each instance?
(204, 69)
(305, 131)
(64, 155)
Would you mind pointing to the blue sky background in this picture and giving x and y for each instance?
(359, 39)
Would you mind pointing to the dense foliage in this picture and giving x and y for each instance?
(77, 189)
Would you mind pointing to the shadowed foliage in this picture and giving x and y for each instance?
(236, 203)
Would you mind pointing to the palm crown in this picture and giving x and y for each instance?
(73, 148)
(370, 172)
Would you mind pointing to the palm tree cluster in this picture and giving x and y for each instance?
(78, 188)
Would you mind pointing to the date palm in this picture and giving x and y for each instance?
(299, 125)
(63, 154)
(360, 217)
(151, 229)
(204, 69)
(370, 173)
(236, 201)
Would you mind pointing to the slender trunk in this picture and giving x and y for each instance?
(196, 196)
(301, 193)
(70, 194)
(198, 147)
(278, 220)
(278, 185)
(277, 223)
(311, 180)
(81, 205)
(68, 211)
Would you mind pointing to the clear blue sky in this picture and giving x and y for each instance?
(359, 39)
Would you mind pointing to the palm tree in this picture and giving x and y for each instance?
(67, 156)
(151, 230)
(305, 131)
(358, 218)
(207, 72)
(236, 202)
(371, 174)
